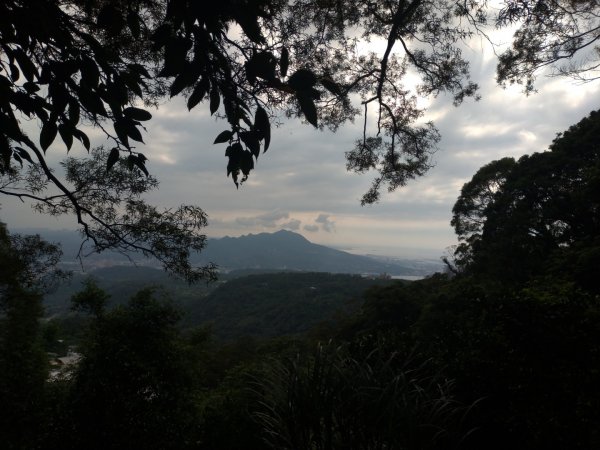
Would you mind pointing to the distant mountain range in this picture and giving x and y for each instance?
(291, 251)
(282, 250)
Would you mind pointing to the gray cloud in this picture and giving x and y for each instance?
(326, 224)
(303, 173)
(293, 225)
(266, 220)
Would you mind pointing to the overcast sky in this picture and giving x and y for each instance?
(301, 184)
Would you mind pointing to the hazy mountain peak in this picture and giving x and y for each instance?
(288, 250)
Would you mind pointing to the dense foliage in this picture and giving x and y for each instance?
(537, 217)
(502, 353)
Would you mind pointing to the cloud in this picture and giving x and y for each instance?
(303, 173)
(293, 224)
(326, 224)
(266, 220)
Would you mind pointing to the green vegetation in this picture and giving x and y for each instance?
(272, 305)
(502, 352)
(497, 353)
(262, 305)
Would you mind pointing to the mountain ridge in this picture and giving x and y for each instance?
(287, 250)
(280, 250)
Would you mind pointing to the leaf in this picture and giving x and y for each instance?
(262, 125)
(10, 127)
(284, 61)
(133, 22)
(137, 114)
(91, 101)
(224, 136)
(74, 112)
(5, 153)
(215, 100)
(60, 96)
(90, 74)
(24, 154)
(235, 155)
(250, 72)
(110, 19)
(179, 84)
(332, 86)
(48, 134)
(134, 133)
(113, 157)
(116, 94)
(120, 127)
(140, 163)
(308, 108)
(31, 87)
(231, 111)
(83, 138)
(27, 67)
(302, 80)
(161, 35)
(139, 69)
(127, 128)
(66, 134)
(251, 140)
(246, 163)
(198, 93)
(261, 65)
(14, 72)
(250, 26)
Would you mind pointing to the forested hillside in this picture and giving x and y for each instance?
(260, 305)
(272, 305)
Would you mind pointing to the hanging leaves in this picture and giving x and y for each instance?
(90, 74)
(308, 108)
(48, 134)
(198, 93)
(284, 62)
(331, 86)
(302, 80)
(82, 137)
(137, 114)
(27, 67)
(262, 126)
(138, 161)
(215, 100)
(113, 157)
(261, 65)
(66, 134)
(224, 136)
(133, 22)
(250, 138)
(179, 84)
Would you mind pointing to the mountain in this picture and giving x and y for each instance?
(286, 250)
(282, 250)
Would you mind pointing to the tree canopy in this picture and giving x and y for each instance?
(70, 64)
(516, 218)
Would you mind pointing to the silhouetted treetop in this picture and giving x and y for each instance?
(514, 217)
